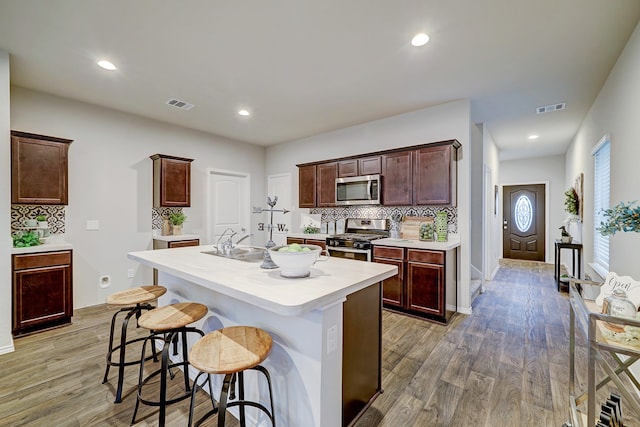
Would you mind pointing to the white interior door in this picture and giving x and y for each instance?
(280, 185)
(228, 204)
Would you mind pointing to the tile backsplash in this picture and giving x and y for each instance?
(387, 212)
(157, 213)
(55, 216)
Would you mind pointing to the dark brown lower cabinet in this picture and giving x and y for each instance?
(164, 244)
(321, 243)
(42, 291)
(361, 352)
(420, 288)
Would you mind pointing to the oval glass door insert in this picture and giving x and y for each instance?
(524, 213)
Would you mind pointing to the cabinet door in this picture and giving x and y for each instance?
(369, 166)
(39, 169)
(307, 186)
(41, 297)
(184, 243)
(432, 179)
(425, 288)
(393, 287)
(326, 185)
(321, 243)
(347, 168)
(397, 181)
(174, 186)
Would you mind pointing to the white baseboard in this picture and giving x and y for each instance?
(7, 349)
(463, 310)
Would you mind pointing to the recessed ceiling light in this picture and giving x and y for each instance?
(244, 112)
(103, 63)
(533, 136)
(420, 40)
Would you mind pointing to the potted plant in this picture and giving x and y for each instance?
(177, 219)
(24, 239)
(42, 221)
(622, 217)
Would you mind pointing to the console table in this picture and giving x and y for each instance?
(576, 249)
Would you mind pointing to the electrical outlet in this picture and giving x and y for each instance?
(332, 339)
(131, 273)
(105, 282)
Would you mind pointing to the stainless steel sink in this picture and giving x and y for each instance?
(244, 253)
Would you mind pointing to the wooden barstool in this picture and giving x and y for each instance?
(136, 300)
(168, 323)
(231, 351)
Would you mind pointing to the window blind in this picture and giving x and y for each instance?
(601, 190)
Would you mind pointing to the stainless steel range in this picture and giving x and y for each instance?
(355, 243)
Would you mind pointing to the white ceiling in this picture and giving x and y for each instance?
(305, 67)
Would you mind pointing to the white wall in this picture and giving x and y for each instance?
(476, 195)
(615, 111)
(6, 341)
(539, 170)
(492, 211)
(442, 122)
(110, 179)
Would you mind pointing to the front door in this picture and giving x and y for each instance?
(523, 222)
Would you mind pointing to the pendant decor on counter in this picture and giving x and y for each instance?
(441, 226)
(427, 230)
(267, 262)
(166, 226)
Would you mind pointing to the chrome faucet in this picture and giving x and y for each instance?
(227, 245)
(243, 238)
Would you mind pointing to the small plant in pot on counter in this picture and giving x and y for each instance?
(24, 239)
(177, 219)
(42, 220)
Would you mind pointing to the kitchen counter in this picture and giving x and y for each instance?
(317, 324)
(329, 281)
(176, 238)
(454, 242)
(57, 245)
(314, 236)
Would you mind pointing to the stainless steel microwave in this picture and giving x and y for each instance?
(359, 190)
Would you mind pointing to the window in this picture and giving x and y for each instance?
(601, 189)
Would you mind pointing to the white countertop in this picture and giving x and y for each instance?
(176, 238)
(452, 243)
(315, 236)
(330, 280)
(58, 245)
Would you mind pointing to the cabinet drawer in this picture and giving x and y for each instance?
(46, 259)
(321, 243)
(432, 257)
(388, 252)
(183, 243)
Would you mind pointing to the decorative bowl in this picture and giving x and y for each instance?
(295, 264)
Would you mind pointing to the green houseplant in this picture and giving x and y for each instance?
(621, 217)
(177, 219)
(24, 239)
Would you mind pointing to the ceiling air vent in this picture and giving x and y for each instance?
(552, 107)
(179, 104)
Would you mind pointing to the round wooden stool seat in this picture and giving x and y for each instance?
(136, 295)
(172, 316)
(230, 350)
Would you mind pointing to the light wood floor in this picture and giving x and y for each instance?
(506, 365)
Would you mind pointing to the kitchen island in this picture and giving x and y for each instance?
(326, 358)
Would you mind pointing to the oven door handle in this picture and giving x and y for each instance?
(369, 193)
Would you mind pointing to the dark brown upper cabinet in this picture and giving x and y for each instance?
(370, 166)
(397, 178)
(434, 176)
(39, 169)
(359, 167)
(307, 186)
(326, 174)
(171, 181)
